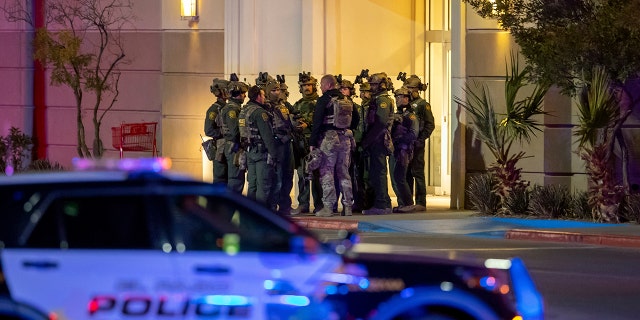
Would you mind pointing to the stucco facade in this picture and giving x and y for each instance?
(173, 62)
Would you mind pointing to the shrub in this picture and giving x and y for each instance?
(481, 196)
(580, 208)
(45, 165)
(15, 150)
(551, 201)
(516, 202)
(631, 208)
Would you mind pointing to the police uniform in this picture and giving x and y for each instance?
(304, 109)
(422, 109)
(284, 152)
(257, 136)
(231, 134)
(403, 133)
(376, 142)
(212, 129)
(364, 195)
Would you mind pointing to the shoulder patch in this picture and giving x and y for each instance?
(265, 116)
(383, 105)
(212, 115)
(414, 105)
(232, 114)
(412, 117)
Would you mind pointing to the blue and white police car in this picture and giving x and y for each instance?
(134, 241)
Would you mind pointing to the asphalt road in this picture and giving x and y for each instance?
(577, 281)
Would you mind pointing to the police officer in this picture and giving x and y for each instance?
(332, 118)
(422, 109)
(256, 136)
(363, 198)
(212, 128)
(304, 111)
(348, 90)
(376, 141)
(282, 127)
(404, 131)
(231, 133)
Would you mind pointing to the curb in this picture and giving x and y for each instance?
(326, 223)
(575, 237)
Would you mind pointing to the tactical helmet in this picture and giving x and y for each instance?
(219, 87)
(235, 86)
(414, 82)
(306, 78)
(365, 86)
(267, 82)
(402, 91)
(380, 77)
(347, 84)
(284, 92)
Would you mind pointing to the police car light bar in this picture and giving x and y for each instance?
(127, 164)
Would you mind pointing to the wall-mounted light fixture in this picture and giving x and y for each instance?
(189, 10)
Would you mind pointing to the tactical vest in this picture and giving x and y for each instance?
(224, 128)
(247, 127)
(280, 120)
(342, 113)
(219, 121)
(215, 128)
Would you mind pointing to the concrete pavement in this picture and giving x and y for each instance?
(440, 220)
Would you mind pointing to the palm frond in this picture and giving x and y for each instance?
(597, 108)
(519, 122)
(482, 116)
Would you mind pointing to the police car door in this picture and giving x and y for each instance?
(91, 257)
(238, 263)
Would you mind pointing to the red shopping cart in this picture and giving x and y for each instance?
(139, 137)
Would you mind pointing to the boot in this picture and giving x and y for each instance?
(325, 212)
(299, 210)
(347, 211)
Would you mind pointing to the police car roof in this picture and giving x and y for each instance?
(106, 170)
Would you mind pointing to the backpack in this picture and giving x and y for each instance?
(244, 122)
(342, 112)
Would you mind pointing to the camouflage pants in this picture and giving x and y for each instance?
(336, 150)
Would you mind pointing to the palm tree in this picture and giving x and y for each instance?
(517, 125)
(599, 120)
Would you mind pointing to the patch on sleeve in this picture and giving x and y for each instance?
(383, 105)
(232, 114)
(265, 116)
(212, 115)
(412, 117)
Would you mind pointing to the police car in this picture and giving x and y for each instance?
(131, 240)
